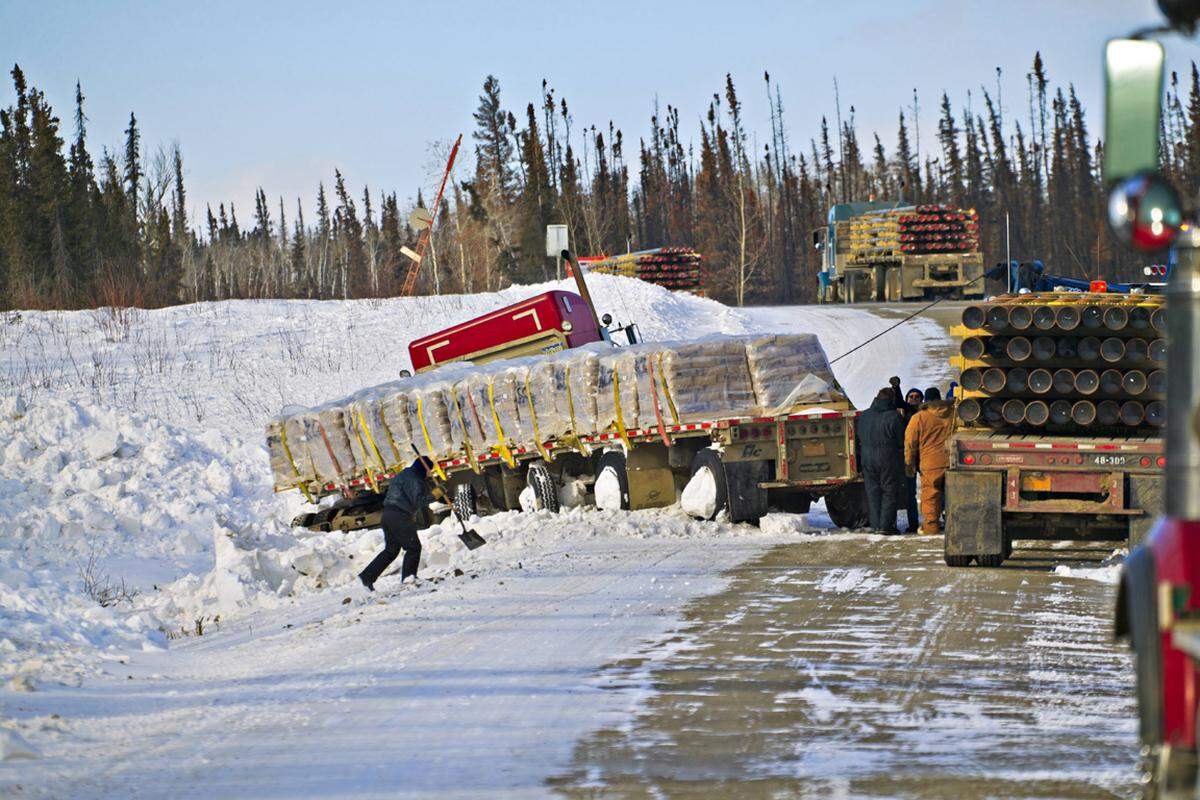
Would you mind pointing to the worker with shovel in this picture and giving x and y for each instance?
(405, 511)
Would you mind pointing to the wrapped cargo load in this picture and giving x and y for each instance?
(466, 417)
(371, 441)
(707, 379)
(616, 390)
(290, 464)
(790, 370)
(429, 408)
(394, 422)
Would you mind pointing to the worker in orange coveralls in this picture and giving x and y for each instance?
(925, 451)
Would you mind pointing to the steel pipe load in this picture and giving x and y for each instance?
(1139, 318)
(1040, 381)
(1044, 348)
(997, 318)
(1020, 318)
(1134, 382)
(1110, 381)
(1133, 413)
(1060, 412)
(1087, 381)
(1064, 381)
(1093, 317)
(1037, 412)
(1013, 411)
(1108, 412)
(1068, 317)
(1157, 381)
(1019, 348)
(971, 379)
(1156, 413)
(969, 409)
(993, 413)
(1158, 351)
(1083, 412)
(973, 317)
(1044, 318)
(1158, 320)
(994, 380)
(1115, 318)
(1088, 348)
(1017, 381)
(1112, 349)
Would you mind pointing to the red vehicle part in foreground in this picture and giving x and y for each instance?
(545, 323)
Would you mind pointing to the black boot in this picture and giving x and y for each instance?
(369, 584)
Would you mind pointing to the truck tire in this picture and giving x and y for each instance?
(466, 501)
(958, 561)
(710, 460)
(847, 506)
(611, 466)
(545, 488)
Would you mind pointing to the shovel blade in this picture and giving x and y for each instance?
(471, 539)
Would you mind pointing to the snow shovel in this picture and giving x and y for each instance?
(469, 536)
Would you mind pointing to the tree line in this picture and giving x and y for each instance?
(78, 231)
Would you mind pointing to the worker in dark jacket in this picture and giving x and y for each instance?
(880, 443)
(405, 511)
(912, 404)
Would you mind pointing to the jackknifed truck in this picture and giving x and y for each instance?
(536, 399)
(1058, 422)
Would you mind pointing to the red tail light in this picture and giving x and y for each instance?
(968, 459)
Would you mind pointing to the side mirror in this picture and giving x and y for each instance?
(1143, 210)
(606, 320)
(818, 239)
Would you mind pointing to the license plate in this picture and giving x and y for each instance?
(809, 449)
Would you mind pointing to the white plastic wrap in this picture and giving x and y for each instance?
(616, 390)
(708, 379)
(790, 370)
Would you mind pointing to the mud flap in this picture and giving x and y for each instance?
(973, 523)
(747, 502)
(1146, 493)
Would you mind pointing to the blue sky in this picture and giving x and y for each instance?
(278, 94)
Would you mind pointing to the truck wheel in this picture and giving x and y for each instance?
(706, 466)
(545, 488)
(612, 482)
(847, 506)
(957, 561)
(466, 501)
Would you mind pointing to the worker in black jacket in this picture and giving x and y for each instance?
(879, 438)
(405, 511)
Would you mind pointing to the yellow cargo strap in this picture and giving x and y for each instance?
(362, 424)
(391, 439)
(428, 444)
(574, 437)
(288, 452)
(617, 405)
(502, 447)
(466, 437)
(662, 377)
(537, 434)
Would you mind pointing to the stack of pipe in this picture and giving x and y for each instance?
(1065, 361)
(919, 230)
(676, 268)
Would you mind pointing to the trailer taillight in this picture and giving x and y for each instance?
(968, 459)
(1145, 461)
(1162, 461)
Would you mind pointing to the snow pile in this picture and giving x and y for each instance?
(100, 506)
(1109, 570)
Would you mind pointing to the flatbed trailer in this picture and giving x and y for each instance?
(1001, 487)
(787, 461)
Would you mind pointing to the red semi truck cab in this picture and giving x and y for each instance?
(545, 323)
